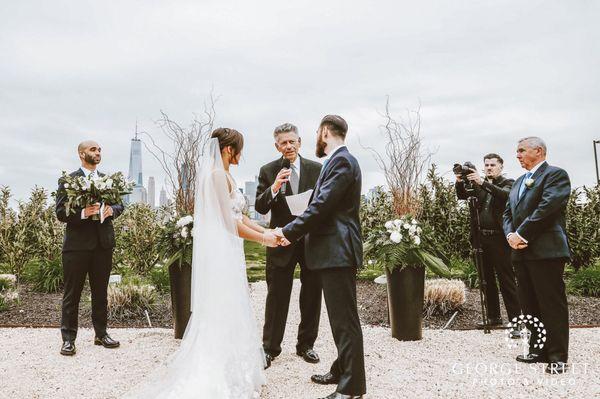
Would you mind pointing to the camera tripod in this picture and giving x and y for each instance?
(477, 254)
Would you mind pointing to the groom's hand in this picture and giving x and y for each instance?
(281, 238)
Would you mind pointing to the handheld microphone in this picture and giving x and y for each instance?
(285, 164)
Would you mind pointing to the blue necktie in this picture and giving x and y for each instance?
(522, 188)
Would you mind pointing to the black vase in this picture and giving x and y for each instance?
(406, 289)
(181, 295)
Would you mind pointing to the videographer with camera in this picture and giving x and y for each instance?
(491, 193)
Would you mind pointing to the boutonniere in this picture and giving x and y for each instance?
(529, 182)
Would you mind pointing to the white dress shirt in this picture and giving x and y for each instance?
(87, 172)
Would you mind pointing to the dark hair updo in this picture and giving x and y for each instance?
(229, 138)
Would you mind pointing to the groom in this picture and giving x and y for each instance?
(333, 248)
(87, 250)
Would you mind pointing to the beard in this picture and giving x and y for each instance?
(321, 145)
(91, 159)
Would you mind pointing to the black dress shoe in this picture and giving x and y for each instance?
(308, 355)
(107, 342)
(268, 360)
(325, 379)
(68, 348)
(557, 368)
(532, 358)
(493, 323)
(337, 395)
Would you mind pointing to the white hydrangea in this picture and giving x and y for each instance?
(396, 237)
(389, 224)
(184, 221)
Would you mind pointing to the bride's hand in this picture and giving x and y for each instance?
(269, 239)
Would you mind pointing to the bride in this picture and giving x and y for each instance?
(220, 356)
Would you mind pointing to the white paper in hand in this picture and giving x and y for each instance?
(299, 202)
(102, 213)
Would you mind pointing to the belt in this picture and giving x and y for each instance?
(485, 232)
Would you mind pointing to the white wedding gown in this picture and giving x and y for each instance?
(220, 356)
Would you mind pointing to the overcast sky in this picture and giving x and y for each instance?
(485, 73)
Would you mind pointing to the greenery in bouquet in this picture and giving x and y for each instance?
(403, 243)
(176, 243)
(84, 191)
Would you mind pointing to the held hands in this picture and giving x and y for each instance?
(108, 211)
(274, 238)
(282, 177)
(282, 240)
(516, 242)
(91, 210)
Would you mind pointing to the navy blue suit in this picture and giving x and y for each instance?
(333, 247)
(538, 216)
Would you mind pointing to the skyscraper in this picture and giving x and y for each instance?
(163, 200)
(138, 194)
(151, 192)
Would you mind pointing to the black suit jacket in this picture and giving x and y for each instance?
(539, 215)
(499, 190)
(280, 212)
(84, 234)
(331, 223)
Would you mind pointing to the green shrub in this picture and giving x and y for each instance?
(464, 270)
(138, 231)
(583, 225)
(130, 300)
(585, 282)
(46, 275)
(159, 276)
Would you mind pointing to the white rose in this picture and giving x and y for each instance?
(184, 232)
(414, 221)
(398, 222)
(67, 185)
(419, 230)
(370, 262)
(406, 226)
(396, 237)
(389, 224)
(109, 183)
(184, 221)
(417, 240)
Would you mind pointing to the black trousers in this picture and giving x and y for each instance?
(76, 266)
(339, 289)
(279, 289)
(498, 266)
(542, 293)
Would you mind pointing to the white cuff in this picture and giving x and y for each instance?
(522, 239)
(273, 192)
(83, 214)
(518, 235)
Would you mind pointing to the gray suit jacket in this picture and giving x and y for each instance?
(539, 215)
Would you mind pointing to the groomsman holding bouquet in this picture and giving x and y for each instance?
(87, 201)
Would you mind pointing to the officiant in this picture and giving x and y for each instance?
(290, 174)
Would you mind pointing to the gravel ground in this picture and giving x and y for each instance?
(448, 364)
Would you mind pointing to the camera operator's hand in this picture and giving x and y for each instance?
(475, 178)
